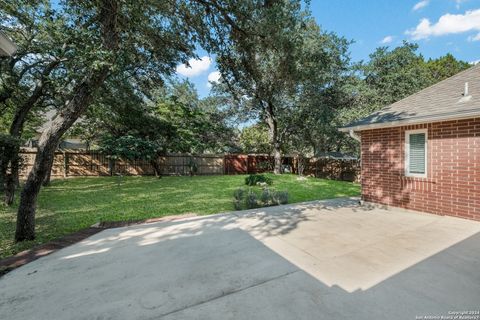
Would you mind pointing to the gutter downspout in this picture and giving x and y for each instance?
(354, 135)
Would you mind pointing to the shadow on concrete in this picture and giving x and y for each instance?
(227, 267)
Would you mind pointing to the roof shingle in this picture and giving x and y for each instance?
(444, 100)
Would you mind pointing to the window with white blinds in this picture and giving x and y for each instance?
(416, 153)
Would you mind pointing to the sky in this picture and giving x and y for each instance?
(438, 26)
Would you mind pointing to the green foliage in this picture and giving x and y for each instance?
(198, 126)
(255, 199)
(239, 193)
(391, 75)
(270, 197)
(255, 139)
(266, 197)
(256, 179)
(395, 74)
(128, 147)
(175, 119)
(445, 67)
(237, 204)
(284, 76)
(388, 76)
(262, 67)
(107, 55)
(281, 197)
(8, 144)
(251, 200)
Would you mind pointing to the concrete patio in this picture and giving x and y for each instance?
(320, 260)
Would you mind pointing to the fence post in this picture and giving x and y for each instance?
(65, 164)
(223, 165)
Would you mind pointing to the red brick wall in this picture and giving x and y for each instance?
(452, 185)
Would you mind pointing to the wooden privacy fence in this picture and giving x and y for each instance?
(334, 169)
(71, 164)
(253, 163)
(80, 163)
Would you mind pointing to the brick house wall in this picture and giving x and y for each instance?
(452, 185)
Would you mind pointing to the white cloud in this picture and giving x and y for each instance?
(194, 67)
(474, 62)
(387, 39)
(420, 5)
(458, 3)
(447, 24)
(213, 77)
(474, 38)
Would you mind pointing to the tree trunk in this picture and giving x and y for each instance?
(48, 174)
(111, 166)
(277, 157)
(81, 99)
(274, 139)
(9, 190)
(16, 129)
(156, 168)
(46, 149)
(28, 200)
(11, 180)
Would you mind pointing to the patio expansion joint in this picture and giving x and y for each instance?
(226, 294)
(390, 236)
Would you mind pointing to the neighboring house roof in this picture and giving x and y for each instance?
(445, 100)
(72, 143)
(7, 47)
(65, 144)
(49, 115)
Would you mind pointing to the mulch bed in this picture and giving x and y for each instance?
(27, 256)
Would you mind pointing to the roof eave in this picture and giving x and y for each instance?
(412, 121)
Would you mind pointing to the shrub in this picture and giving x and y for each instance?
(255, 179)
(266, 197)
(281, 197)
(237, 204)
(251, 200)
(239, 194)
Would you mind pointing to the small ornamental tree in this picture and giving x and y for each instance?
(128, 148)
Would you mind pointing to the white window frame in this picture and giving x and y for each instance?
(407, 153)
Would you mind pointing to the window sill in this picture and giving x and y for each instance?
(416, 176)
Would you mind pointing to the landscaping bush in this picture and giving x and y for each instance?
(237, 204)
(281, 197)
(256, 199)
(239, 194)
(251, 200)
(256, 179)
(266, 197)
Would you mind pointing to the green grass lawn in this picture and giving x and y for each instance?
(73, 204)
